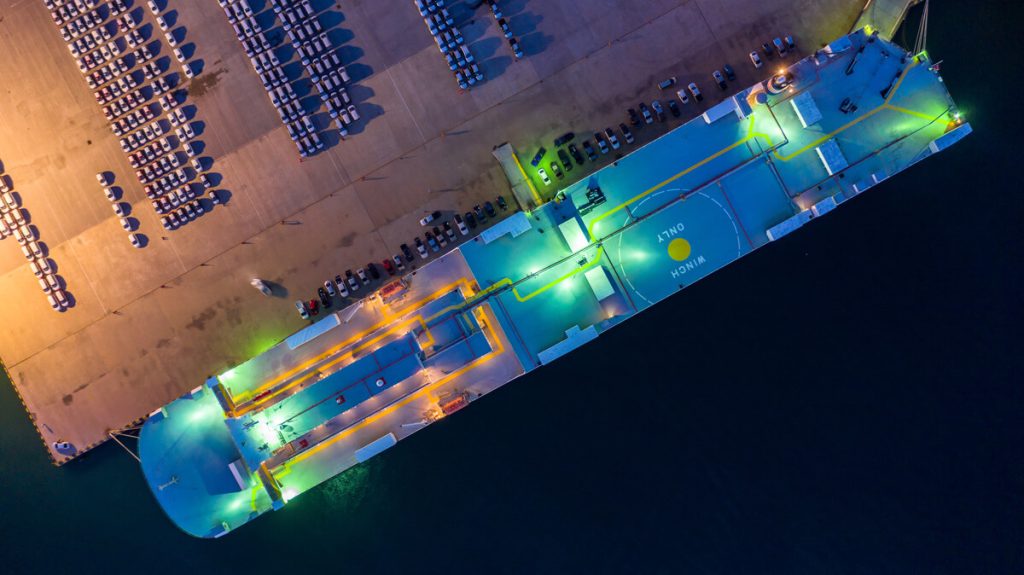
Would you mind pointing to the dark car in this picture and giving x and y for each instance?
(407, 252)
(674, 108)
(449, 231)
(565, 159)
(589, 150)
(729, 72)
(575, 153)
(538, 157)
(480, 215)
(767, 49)
(634, 118)
(489, 208)
(564, 139)
(470, 220)
(314, 307)
(502, 204)
(324, 298)
(389, 266)
(556, 171)
(374, 273)
(627, 134)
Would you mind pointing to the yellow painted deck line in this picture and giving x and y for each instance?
(750, 135)
(461, 282)
(498, 350)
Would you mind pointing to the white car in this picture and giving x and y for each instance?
(429, 218)
(262, 286)
(104, 179)
(300, 306)
(683, 96)
(62, 298)
(756, 59)
(329, 287)
(135, 239)
(119, 209)
(544, 176)
(110, 193)
(126, 224)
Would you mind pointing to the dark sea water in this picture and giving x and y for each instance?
(848, 400)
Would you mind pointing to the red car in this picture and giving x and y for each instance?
(314, 307)
(389, 266)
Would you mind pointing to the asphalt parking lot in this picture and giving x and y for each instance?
(149, 324)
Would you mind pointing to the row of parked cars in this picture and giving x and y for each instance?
(506, 30)
(607, 141)
(450, 42)
(121, 209)
(439, 236)
(14, 221)
(141, 102)
(318, 56)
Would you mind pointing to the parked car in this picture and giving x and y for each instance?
(470, 220)
(634, 118)
(564, 139)
(450, 232)
(648, 118)
(779, 46)
(370, 267)
(489, 208)
(429, 218)
(422, 249)
(576, 155)
(544, 176)
(674, 109)
(719, 79)
(601, 143)
(408, 252)
(683, 96)
(502, 204)
(353, 283)
(667, 83)
(612, 138)
(556, 170)
(314, 307)
(329, 287)
(461, 224)
(756, 59)
(589, 150)
(658, 110)
(324, 298)
(340, 283)
(300, 306)
(389, 266)
(695, 91)
(434, 247)
(538, 157)
(729, 72)
(565, 159)
(627, 134)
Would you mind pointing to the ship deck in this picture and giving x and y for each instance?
(546, 282)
